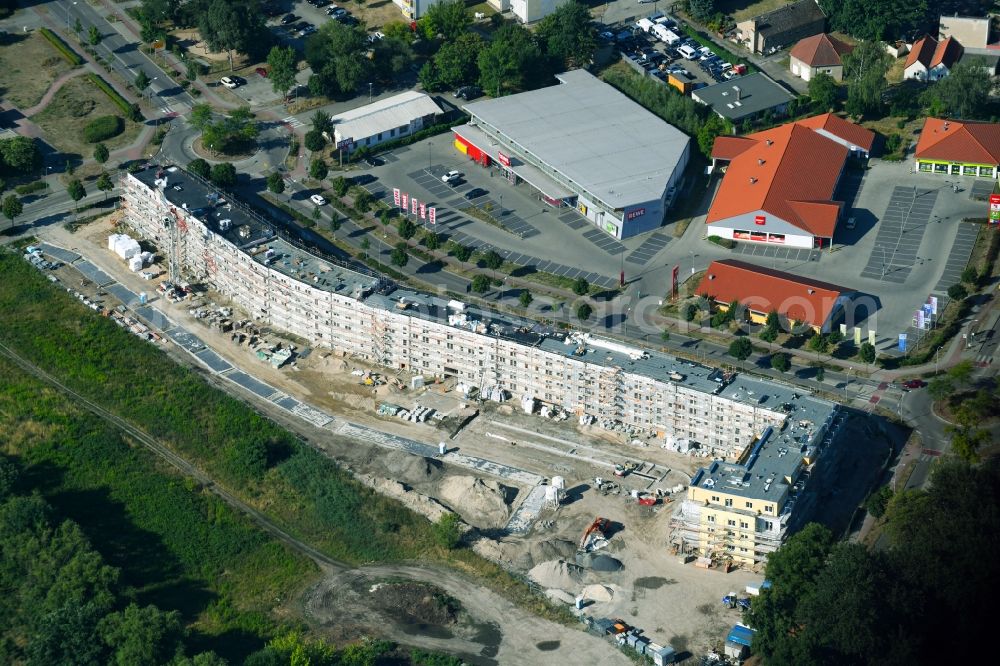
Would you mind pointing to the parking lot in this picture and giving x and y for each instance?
(658, 45)
(900, 232)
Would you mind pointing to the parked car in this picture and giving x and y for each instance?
(288, 19)
(468, 92)
(451, 177)
(261, 71)
(230, 82)
(475, 193)
(914, 384)
(306, 31)
(375, 36)
(318, 199)
(373, 161)
(337, 12)
(319, 4)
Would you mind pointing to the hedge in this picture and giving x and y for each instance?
(103, 127)
(724, 242)
(131, 110)
(59, 45)
(31, 188)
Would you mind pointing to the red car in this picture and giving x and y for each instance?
(914, 383)
(262, 71)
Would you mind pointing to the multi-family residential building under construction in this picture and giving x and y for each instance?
(759, 434)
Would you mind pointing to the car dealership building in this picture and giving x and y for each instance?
(582, 144)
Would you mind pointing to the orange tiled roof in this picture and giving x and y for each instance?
(947, 53)
(922, 51)
(790, 172)
(764, 289)
(727, 147)
(846, 130)
(820, 50)
(974, 143)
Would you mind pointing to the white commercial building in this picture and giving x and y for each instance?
(529, 11)
(276, 282)
(584, 144)
(384, 120)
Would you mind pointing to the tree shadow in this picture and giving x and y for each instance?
(234, 645)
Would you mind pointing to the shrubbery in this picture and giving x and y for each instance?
(103, 128)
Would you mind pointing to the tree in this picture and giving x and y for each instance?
(823, 92)
(583, 311)
(580, 286)
(964, 93)
(741, 348)
(77, 26)
(690, 312)
(224, 174)
(447, 530)
(455, 63)
(230, 26)
(191, 70)
(480, 284)
(314, 141)
(200, 167)
(232, 133)
(820, 373)
(318, 169)
(275, 183)
(391, 57)
(76, 190)
(961, 372)
(957, 292)
(510, 61)
(94, 36)
(867, 353)
(101, 153)
(141, 81)
(447, 18)
(340, 186)
(569, 35)
(281, 68)
(12, 207)
(19, 155)
(246, 458)
(701, 10)
(399, 256)
(336, 54)
(525, 298)
(139, 636)
(431, 240)
(68, 635)
(864, 69)
(363, 201)
(970, 275)
(461, 252)
(780, 362)
(321, 121)
(819, 343)
(878, 501)
(873, 20)
(201, 116)
(941, 388)
(712, 128)
(492, 260)
(104, 184)
(405, 228)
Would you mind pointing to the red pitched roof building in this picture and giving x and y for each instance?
(950, 147)
(930, 59)
(761, 290)
(779, 183)
(816, 54)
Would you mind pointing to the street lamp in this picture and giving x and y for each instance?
(501, 205)
(369, 93)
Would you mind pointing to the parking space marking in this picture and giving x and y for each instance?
(900, 233)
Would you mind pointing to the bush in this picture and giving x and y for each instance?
(103, 128)
(200, 167)
(480, 284)
(723, 242)
(224, 174)
(339, 185)
(447, 531)
(957, 292)
(580, 286)
(65, 51)
(780, 362)
(583, 311)
(314, 141)
(31, 188)
(970, 275)
(690, 312)
(130, 110)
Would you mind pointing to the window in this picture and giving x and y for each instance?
(729, 502)
(986, 171)
(744, 525)
(749, 505)
(768, 508)
(711, 519)
(768, 525)
(715, 498)
(731, 522)
(940, 168)
(926, 166)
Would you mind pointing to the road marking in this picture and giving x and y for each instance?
(293, 121)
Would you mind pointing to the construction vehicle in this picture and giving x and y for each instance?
(595, 537)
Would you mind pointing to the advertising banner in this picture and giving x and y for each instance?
(760, 219)
(902, 342)
(857, 335)
(918, 319)
(404, 199)
(995, 209)
(871, 338)
(423, 211)
(395, 197)
(673, 279)
(932, 301)
(413, 206)
(503, 159)
(432, 214)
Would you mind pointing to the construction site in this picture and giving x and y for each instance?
(625, 483)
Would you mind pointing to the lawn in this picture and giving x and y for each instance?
(28, 66)
(741, 10)
(76, 104)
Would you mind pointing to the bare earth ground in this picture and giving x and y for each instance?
(674, 603)
(28, 66)
(73, 106)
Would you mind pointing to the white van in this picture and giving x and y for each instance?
(644, 24)
(687, 51)
(660, 32)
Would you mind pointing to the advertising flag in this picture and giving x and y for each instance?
(413, 206)
(395, 197)
(674, 274)
(902, 342)
(432, 214)
(932, 301)
(871, 338)
(404, 201)
(843, 330)
(423, 211)
(857, 335)
(920, 319)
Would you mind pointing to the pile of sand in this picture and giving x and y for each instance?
(556, 574)
(543, 551)
(410, 468)
(559, 595)
(598, 562)
(482, 503)
(598, 593)
(422, 504)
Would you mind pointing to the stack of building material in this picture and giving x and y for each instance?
(124, 247)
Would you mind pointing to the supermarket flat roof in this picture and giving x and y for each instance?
(593, 135)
